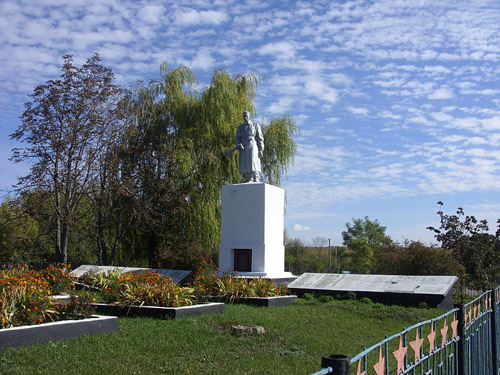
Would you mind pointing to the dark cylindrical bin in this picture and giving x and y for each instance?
(340, 363)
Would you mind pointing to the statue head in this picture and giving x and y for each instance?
(246, 115)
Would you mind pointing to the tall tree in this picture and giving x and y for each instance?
(181, 136)
(363, 237)
(67, 127)
(477, 250)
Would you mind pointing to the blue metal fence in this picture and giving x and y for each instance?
(463, 341)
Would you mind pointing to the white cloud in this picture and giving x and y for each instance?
(189, 17)
(332, 120)
(301, 228)
(280, 50)
(316, 87)
(151, 14)
(442, 93)
(358, 110)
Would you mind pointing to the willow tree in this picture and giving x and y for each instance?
(192, 129)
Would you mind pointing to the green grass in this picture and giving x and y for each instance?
(296, 337)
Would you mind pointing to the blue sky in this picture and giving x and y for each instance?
(397, 101)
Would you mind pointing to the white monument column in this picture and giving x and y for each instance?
(252, 230)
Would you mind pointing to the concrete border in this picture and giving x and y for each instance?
(279, 301)
(159, 312)
(64, 329)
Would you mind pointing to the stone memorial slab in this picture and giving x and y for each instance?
(176, 275)
(435, 290)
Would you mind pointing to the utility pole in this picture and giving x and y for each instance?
(337, 268)
(329, 257)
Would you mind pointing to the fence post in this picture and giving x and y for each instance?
(461, 335)
(494, 341)
(340, 363)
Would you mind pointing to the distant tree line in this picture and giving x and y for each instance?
(467, 250)
(130, 176)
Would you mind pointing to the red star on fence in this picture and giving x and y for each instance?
(358, 372)
(454, 327)
(380, 365)
(416, 345)
(400, 355)
(444, 332)
(432, 337)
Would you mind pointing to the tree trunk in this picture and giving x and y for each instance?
(102, 249)
(64, 242)
(152, 243)
(59, 252)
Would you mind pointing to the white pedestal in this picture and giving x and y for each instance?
(252, 230)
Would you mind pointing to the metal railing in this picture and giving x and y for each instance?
(463, 341)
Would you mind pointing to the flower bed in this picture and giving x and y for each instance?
(25, 297)
(146, 294)
(230, 288)
(139, 289)
(28, 335)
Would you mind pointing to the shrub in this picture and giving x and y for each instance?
(160, 292)
(366, 300)
(347, 296)
(325, 299)
(309, 297)
(350, 296)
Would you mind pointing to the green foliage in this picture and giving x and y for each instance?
(18, 233)
(325, 299)
(67, 127)
(133, 178)
(309, 297)
(163, 292)
(138, 289)
(362, 256)
(365, 300)
(347, 296)
(474, 248)
(351, 296)
(177, 143)
(300, 258)
(363, 237)
(25, 297)
(208, 282)
(414, 258)
(279, 150)
(364, 229)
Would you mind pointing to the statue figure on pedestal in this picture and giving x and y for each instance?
(250, 144)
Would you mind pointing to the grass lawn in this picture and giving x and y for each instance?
(296, 337)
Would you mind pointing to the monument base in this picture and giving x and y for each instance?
(277, 278)
(252, 227)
